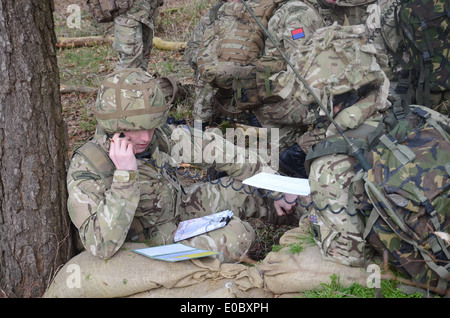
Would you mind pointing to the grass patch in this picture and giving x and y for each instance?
(86, 66)
(336, 289)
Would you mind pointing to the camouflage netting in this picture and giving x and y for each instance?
(128, 274)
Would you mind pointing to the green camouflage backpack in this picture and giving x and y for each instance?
(425, 26)
(408, 187)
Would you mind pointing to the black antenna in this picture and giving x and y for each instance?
(354, 150)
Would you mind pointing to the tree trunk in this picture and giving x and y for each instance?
(35, 235)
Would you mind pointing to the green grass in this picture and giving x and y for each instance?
(85, 66)
(296, 247)
(178, 20)
(335, 289)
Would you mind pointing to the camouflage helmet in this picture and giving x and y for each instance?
(351, 3)
(128, 100)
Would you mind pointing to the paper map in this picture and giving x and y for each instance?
(174, 252)
(194, 227)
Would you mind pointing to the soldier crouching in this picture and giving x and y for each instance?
(119, 189)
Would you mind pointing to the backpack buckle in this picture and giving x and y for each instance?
(421, 113)
(423, 25)
(426, 55)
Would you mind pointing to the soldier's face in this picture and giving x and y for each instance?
(140, 139)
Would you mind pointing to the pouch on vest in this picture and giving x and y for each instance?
(266, 66)
(106, 10)
(245, 92)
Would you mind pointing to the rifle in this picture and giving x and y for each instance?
(354, 150)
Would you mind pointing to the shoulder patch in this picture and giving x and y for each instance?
(85, 175)
(297, 33)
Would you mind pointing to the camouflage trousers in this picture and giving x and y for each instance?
(206, 105)
(204, 102)
(289, 117)
(233, 240)
(338, 234)
(133, 42)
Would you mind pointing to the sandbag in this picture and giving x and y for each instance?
(128, 274)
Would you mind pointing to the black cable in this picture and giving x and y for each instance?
(383, 21)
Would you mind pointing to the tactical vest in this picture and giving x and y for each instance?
(106, 10)
(235, 39)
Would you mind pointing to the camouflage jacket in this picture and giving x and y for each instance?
(144, 11)
(103, 213)
(196, 38)
(292, 25)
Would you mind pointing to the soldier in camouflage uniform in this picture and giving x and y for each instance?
(203, 107)
(354, 89)
(344, 73)
(133, 34)
(306, 16)
(204, 92)
(286, 115)
(119, 189)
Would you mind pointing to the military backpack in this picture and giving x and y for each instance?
(408, 189)
(425, 29)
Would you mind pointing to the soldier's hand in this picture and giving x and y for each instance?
(121, 152)
(284, 205)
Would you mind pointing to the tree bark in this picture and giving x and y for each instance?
(35, 235)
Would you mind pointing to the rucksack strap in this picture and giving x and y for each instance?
(99, 160)
(213, 11)
(427, 116)
(441, 271)
(401, 152)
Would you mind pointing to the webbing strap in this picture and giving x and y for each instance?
(120, 111)
(351, 202)
(267, 81)
(99, 160)
(441, 271)
(401, 152)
